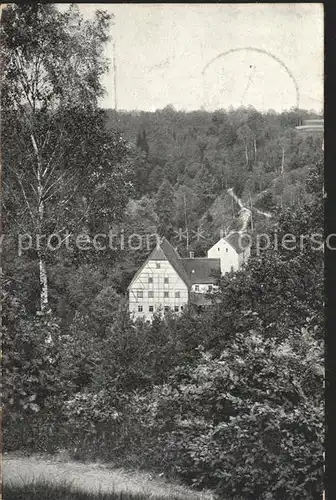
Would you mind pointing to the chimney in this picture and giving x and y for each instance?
(192, 255)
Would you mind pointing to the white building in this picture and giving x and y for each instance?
(168, 282)
(233, 251)
(311, 128)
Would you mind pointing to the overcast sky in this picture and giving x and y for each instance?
(162, 50)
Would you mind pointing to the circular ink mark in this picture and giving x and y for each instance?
(261, 51)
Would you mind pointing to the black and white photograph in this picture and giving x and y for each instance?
(162, 251)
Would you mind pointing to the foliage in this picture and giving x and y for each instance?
(245, 422)
(164, 207)
(52, 56)
(32, 347)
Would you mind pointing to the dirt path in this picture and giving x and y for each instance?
(92, 477)
(248, 211)
(261, 212)
(244, 214)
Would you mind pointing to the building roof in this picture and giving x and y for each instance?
(316, 125)
(175, 260)
(165, 251)
(200, 270)
(310, 128)
(314, 121)
(157, 254)
(237, 241)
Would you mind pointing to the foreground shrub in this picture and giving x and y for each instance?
(249, 422)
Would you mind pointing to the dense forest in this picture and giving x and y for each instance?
(209, 152)
(230, 398)
(185, 163)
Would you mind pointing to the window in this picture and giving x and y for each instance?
(226, 249)
(151, 309)
(140, 309)
(176, 308)
(140, 294)
(166, 295)
(166, 280)
(181, 308)
(218, 249)
(150, 280)
(166, 308)
(150, 294)
(177, 295)
(210, 288)
(158, 265)
(196, 288)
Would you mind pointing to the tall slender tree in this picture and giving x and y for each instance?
(58, 156)
(164, 207)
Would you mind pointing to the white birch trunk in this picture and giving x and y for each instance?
(251, 212)
(283, 161)
(255, 149)
(44, 297)
(246, 155)
(44, 292)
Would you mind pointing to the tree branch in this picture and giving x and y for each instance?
(25, 198)
(57, 181)
(51, 159)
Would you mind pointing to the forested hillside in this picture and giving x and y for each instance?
(209, 152)
(185, 163)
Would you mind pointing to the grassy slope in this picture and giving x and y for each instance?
(24, 475)
(44, 491)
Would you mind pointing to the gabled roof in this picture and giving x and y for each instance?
(237, 241)
(200, 270)
(165, 251)
(175, 260)
(157, 254)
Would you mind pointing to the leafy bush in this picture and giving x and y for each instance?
(249, 422)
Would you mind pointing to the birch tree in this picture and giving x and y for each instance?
(244, 133)
(256, 122)
(55, 146)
